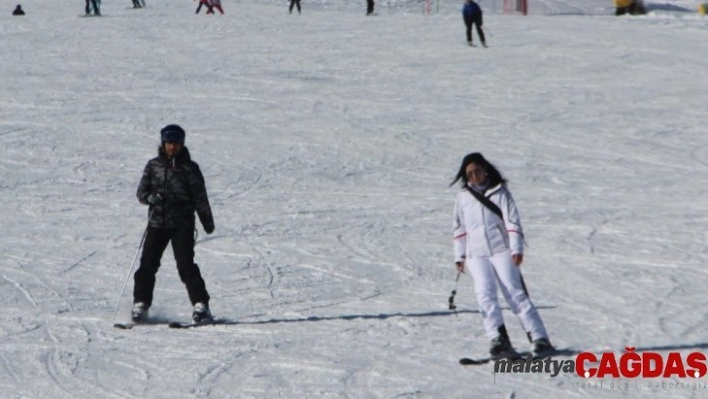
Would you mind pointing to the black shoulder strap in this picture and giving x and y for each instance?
(486, 202)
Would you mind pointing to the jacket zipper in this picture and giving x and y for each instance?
(164, 204)
(484, 226)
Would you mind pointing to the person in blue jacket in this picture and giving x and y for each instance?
(472, 14)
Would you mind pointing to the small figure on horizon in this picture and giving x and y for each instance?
(215, 4)
(294, 3)
(96, 9)
(472, 15)
(205, 3)
(369, 7)
(18, 11)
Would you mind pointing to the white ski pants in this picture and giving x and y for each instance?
(486, 271)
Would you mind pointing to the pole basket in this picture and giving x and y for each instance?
(516, 7)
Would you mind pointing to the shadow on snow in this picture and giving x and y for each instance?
(380, 316)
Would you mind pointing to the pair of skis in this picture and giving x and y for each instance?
(173, 324)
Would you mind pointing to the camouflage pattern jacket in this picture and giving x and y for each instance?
(181, 185)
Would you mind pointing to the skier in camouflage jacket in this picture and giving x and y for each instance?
(173, 187)
(179, 181)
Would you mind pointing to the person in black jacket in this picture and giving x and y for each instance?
(18, 10)
(173, 187)
(369, 7)
(96, 8)
(294, 3)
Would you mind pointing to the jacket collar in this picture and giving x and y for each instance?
(488, 190)
(492, 190)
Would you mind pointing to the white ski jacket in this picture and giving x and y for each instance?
(480, 232)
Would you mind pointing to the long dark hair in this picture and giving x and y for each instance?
(494, 177)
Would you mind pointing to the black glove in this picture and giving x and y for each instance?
(154, 199)
(209, 229)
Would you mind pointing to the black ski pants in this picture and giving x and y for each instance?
(156, 241)
(93, 3)
(294, 3)
(477, 22)
(369, 7)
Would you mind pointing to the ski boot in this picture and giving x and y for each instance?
(501, 346)
(542, 347)
(139, 313)
(201, 313)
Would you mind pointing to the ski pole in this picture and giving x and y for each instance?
(523, 285)
(125, 284)
(451, 300)
(526, 291)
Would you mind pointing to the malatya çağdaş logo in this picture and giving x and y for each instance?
(629, 364)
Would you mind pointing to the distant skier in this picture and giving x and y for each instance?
(205, 3)
(369, 7)
(173, 186)
(96, 9)
(18, 11)
(215, 4)
(294, 3)
(138, 4)
(472, 15)
(488, 243)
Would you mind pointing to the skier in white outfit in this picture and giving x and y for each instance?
(490, 246)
